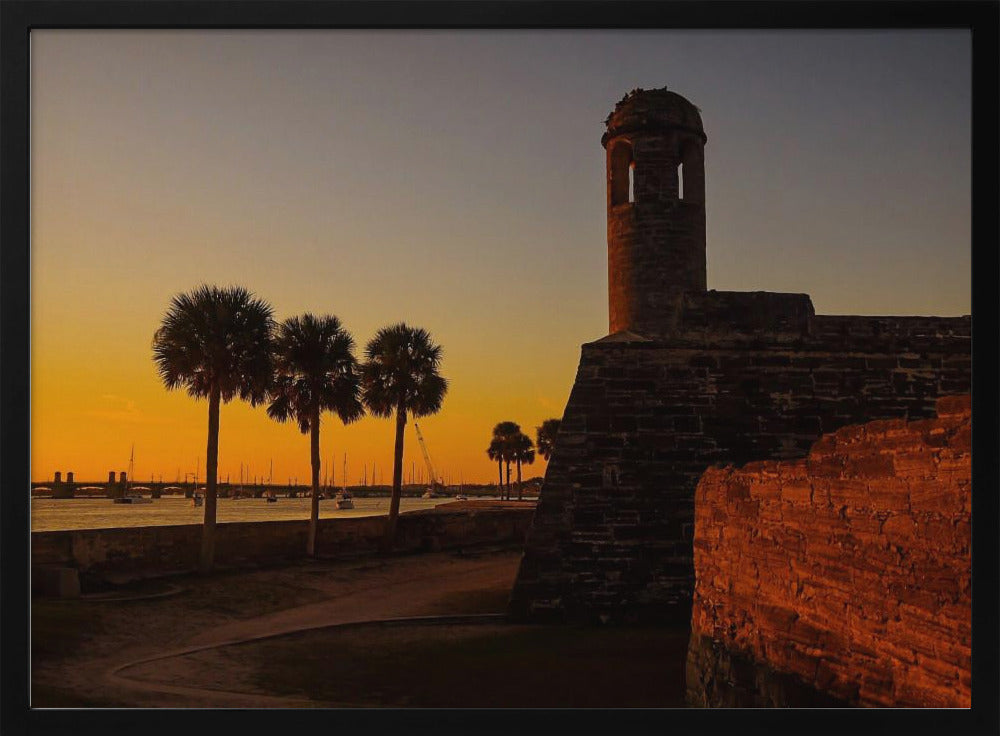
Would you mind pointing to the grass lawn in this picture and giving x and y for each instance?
(59, 628)
(474, 666)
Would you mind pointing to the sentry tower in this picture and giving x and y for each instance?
(656, 209)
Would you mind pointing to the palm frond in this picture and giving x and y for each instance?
(522, 449)
(315, 371)
(401, 372)
(545, 436)
(215, 336)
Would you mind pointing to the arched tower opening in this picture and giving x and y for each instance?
(656, 210)
(693, 165)
(620, 173)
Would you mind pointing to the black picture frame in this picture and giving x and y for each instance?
(18, 18)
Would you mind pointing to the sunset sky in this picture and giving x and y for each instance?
(453, 180)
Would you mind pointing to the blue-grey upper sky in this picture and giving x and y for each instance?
(456, 180)
(837, 163)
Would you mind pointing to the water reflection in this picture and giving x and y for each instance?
(49, 514)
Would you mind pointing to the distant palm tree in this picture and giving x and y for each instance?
(546, 437)
(216, 343)
(400, 376)
(504, 434)
(522, 451)
(496, 452)
(315, 371)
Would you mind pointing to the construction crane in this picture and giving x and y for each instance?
(434, 484)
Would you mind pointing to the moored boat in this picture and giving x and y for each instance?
(132, 498)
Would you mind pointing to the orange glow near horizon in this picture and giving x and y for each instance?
(89, 408)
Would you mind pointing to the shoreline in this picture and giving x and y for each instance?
(89, 514)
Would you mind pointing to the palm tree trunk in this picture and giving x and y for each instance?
(507, 493)
(207, 559)
(518, 480)
(500, 484)
(397, 481)
(314, 511)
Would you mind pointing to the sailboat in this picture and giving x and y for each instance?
(268, 495)
(343, 499)
(126, 497)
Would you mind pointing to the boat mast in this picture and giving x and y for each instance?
(131, 469)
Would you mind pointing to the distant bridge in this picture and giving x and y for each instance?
(115, 488)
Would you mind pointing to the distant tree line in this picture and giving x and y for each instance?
(509, 445)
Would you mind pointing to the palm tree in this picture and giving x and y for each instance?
(504, 434)
(216, 343)
(496, 452)
(546, 437)
(400, 376)
(315, 371)
(522, 451)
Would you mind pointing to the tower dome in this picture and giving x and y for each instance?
(647, 109)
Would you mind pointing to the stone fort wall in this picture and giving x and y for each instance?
(746, 376)
(849, 569)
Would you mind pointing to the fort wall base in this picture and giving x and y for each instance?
(717, 676)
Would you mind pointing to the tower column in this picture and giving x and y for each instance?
(656, 210)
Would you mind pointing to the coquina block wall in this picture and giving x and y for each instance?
(849, 569)
(689, 377)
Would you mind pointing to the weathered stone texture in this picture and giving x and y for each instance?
(849, 569)
(719, 677)
(612, 534)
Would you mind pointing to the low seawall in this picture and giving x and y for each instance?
(848, 571)
(139, 552)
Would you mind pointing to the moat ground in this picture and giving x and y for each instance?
(270, 638)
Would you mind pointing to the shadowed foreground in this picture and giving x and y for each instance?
(449, 666)
(264, 639)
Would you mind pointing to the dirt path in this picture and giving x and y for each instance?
(410, 589)
(319, 594)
